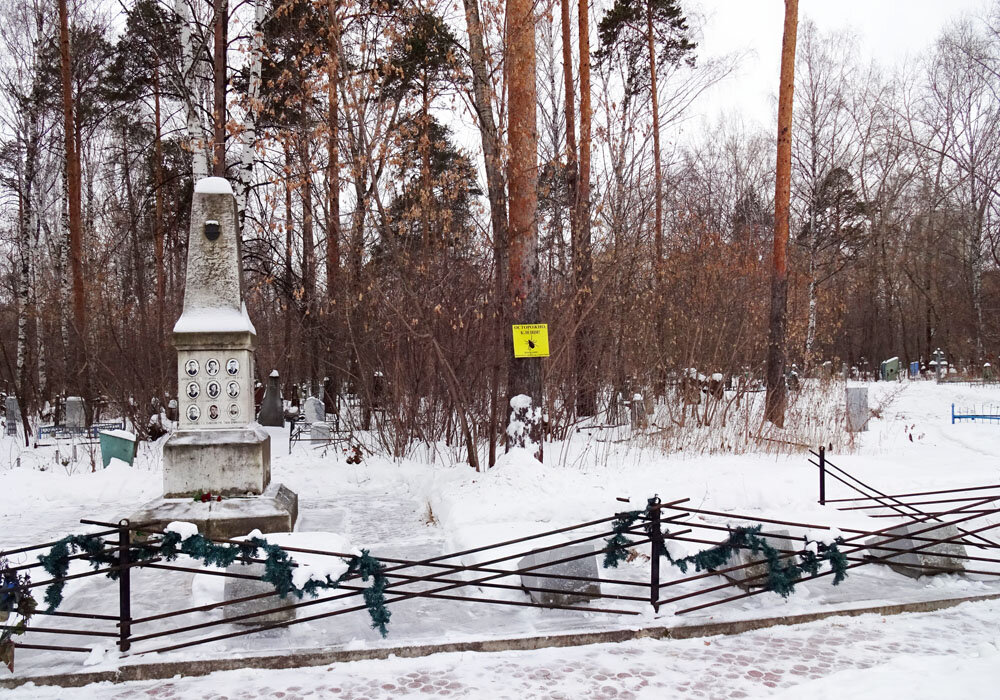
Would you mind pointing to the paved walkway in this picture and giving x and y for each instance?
(753, 664)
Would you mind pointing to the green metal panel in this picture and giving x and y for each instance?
(117, 446)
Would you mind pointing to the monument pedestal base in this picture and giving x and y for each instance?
(231, 462)
(275, 510)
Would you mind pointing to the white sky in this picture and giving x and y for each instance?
(889, 31)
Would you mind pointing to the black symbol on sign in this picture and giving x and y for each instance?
(531, 343)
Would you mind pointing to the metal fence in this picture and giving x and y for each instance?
(647, 532)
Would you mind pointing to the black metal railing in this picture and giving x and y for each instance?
(450, 577)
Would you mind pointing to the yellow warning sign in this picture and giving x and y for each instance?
(531, 340)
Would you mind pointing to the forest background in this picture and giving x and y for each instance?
(382, 248)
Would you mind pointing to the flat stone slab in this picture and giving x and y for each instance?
(755, 576)
(243, 587)
(276, 510)
(929, 561)
(564, 591)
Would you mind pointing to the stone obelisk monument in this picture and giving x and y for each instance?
(218, 447)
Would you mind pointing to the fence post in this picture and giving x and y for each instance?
(822, 475)
(656, 547)
(124, 586)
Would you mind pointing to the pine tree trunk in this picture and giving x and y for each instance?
(525, 375)
(571, 159)
(75, 223)
(586, 387)
(777, 398)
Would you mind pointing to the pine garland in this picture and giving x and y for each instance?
(618, 544)
(56, 563)
(782, 573)
(278, 566)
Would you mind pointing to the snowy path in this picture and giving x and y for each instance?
(946, 654)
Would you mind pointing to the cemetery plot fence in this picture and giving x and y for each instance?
(990, 414)
(740, 556)
(909, 507)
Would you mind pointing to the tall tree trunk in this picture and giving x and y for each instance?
(308, 262)
(161, 277)
(657, 172)
(777, 397)
(496, 187)
(23, 253)
(72, 158)
(571, 161)
(586, 386)
(189, 86)
(333, 196)
(525, 376)
(219, 81)
(248, 145)
(289, 278)
(424, 146)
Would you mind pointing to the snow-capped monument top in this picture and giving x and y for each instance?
(213, 185)
(213, 288)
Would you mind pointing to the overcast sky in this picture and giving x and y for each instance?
(889, 31)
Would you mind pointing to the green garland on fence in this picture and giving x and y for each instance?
(56, 563)
(278, 566)
(782, 572)
(618, 544)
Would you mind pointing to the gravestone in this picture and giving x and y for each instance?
(245, 587)
(932, 559)
(76, 416)
(314, 411)
(938, 363)
(272, 412)
(638, 412)
(320, 431)
(793, 379)
(12, 415)
(857, 409)
(562, 591)
(755, 571)
(218, 446)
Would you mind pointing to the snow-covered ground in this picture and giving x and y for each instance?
(946, 655)
(413, 509)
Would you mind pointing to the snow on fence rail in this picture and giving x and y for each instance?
(742, 556)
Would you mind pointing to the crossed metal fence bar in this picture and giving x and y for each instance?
(443, 577)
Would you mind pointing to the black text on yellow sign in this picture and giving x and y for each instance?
(531, 340)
